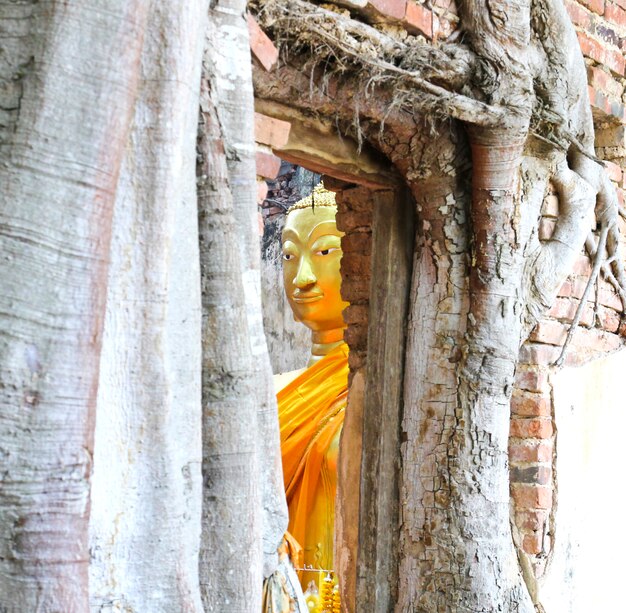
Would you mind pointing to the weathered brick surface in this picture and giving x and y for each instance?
(261, 46)
(270, 131)
(532, 496)
(526, 404)
(267, 165)
(531, 379)
(354, 217)
(597, 6)
(419, 19)
(537, 473)
(531, 428)
(387, 9)
(530, 451)
(533, 543)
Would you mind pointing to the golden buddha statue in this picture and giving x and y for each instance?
(312, 401)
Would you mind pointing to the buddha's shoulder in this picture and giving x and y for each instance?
(283, 379)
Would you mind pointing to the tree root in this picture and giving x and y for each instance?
(605, 255)
(597, 265)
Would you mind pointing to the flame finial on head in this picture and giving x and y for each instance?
(320, 196)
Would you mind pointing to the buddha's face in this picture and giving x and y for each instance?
(311, 257)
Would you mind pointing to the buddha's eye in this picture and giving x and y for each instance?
(287, 256)
(326, 251)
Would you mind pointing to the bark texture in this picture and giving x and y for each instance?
(146, 490)
(233, 84)
(60, 154)
(244, 508)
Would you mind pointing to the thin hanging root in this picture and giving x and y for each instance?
(614, 263)
(610, 264)
(597, 265)
(611, 269)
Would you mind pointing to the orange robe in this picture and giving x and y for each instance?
(311, 411)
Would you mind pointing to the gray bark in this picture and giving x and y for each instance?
(66, 109)
(233, 86)
(146, 490)
(235, 436)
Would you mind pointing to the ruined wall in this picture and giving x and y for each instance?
(541, 487)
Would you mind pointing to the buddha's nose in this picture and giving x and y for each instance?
(305, 275)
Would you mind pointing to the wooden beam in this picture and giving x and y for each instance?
(317, 146)
(392, 264)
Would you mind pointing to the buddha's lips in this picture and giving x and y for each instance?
(304, 298)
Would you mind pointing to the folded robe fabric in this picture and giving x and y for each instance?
(311, 412)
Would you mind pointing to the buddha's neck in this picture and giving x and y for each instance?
(324, 341)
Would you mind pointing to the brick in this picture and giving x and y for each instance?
(564, 309)
(597, 6)
(595, 341)
(358, 242)
(395, 9)
(261, 46)
(356, 360)
(582, 266)
(614, 171)
(356, 314)
(601, 53)
(267, 165)
(530, 405)
(356, 264)
(579, 16)
(349, 220)
(606, 32)
(443, 26)
(615, 14)
(609, 298)
(261, 224)
(538, 353)
(355, 290)
(540, 475)
(271, 131)
(531, 380)
(603, 82)
(531, 521)
(449, 6)
(418, 19)
(549, 332)
(532, 496)
(604, 104)
(261, 191)
(356, 336)
(576, 288)
(531, 451)
(609, 319)
(533, 543)
(273, 210)
(531, 428)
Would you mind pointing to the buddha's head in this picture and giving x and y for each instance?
(311, 245)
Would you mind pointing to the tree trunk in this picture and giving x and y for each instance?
(457, 550)
(234, 435)
(233, 85)
(145, 537)
(60, 159)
